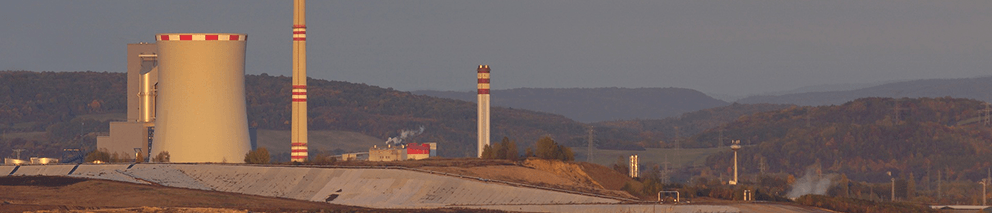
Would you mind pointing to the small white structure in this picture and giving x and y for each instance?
(736, 146)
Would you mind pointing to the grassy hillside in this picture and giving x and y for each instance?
(596, 104)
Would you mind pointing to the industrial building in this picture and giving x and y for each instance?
(135, 134)
(187, 98)
(411, 151)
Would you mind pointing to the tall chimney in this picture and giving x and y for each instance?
(483, 107)
(299, 126)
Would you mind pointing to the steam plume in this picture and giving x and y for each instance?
(404, 134)
(810, 183)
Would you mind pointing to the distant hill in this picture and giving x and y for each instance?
(973, 88)
(596, 104)
(862, 139)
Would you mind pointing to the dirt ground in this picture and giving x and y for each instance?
(575, 176)
(65, 194)
(583, 177)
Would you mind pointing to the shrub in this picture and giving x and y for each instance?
(162, 157)
(258, 156)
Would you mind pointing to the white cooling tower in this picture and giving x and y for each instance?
(200, 112)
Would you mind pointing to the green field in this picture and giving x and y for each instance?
(678, 158)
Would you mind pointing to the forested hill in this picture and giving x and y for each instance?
(597, 104)
(662, 133)
(974, 88)
(379, 112)
(51, 102)
(34, 100)
(863, 139)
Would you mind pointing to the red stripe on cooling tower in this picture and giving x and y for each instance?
(299, 26)
(299, 39)
(164, 37)
(299, 93)
(299, 144)
(236, 37)
(483, 80)
(483, 91)
(185, 37)
(299, 32)
(299, 86)
(210, 37)
(299, 100)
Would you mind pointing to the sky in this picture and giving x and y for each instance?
(734, 48)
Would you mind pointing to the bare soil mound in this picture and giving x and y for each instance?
(574, 176)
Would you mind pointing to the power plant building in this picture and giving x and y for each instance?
(411, 151)
(186, 96)
(142, 77)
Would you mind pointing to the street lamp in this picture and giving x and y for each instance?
(893, 185)
(985, 182)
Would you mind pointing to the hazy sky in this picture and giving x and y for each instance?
(724, 47)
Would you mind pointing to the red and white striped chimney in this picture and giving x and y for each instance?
(483, 107)
(298, 128)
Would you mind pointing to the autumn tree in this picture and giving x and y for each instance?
(258, 156)
(547, 148)
(162, 157)
(98, 155)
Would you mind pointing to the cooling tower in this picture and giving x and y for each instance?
(200, 112)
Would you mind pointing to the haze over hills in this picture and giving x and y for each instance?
(863, 139)
(596, 104)
(973, 88)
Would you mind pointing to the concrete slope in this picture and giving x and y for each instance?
(379, 188)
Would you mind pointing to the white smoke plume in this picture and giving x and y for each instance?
(404, 134)
(810, 183)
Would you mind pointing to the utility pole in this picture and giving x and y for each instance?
(986, 116)
(938, 184)
(721, 137)
(897, 111)
(589, 149)
(984, 183)
(893, 186)
(18, 151)
(678, 155)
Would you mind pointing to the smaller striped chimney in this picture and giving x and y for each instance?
(483, 107)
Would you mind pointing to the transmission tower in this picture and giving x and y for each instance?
(18, 151)
(986, 116)
(589, 149)
(678, 136)
(720, 139)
